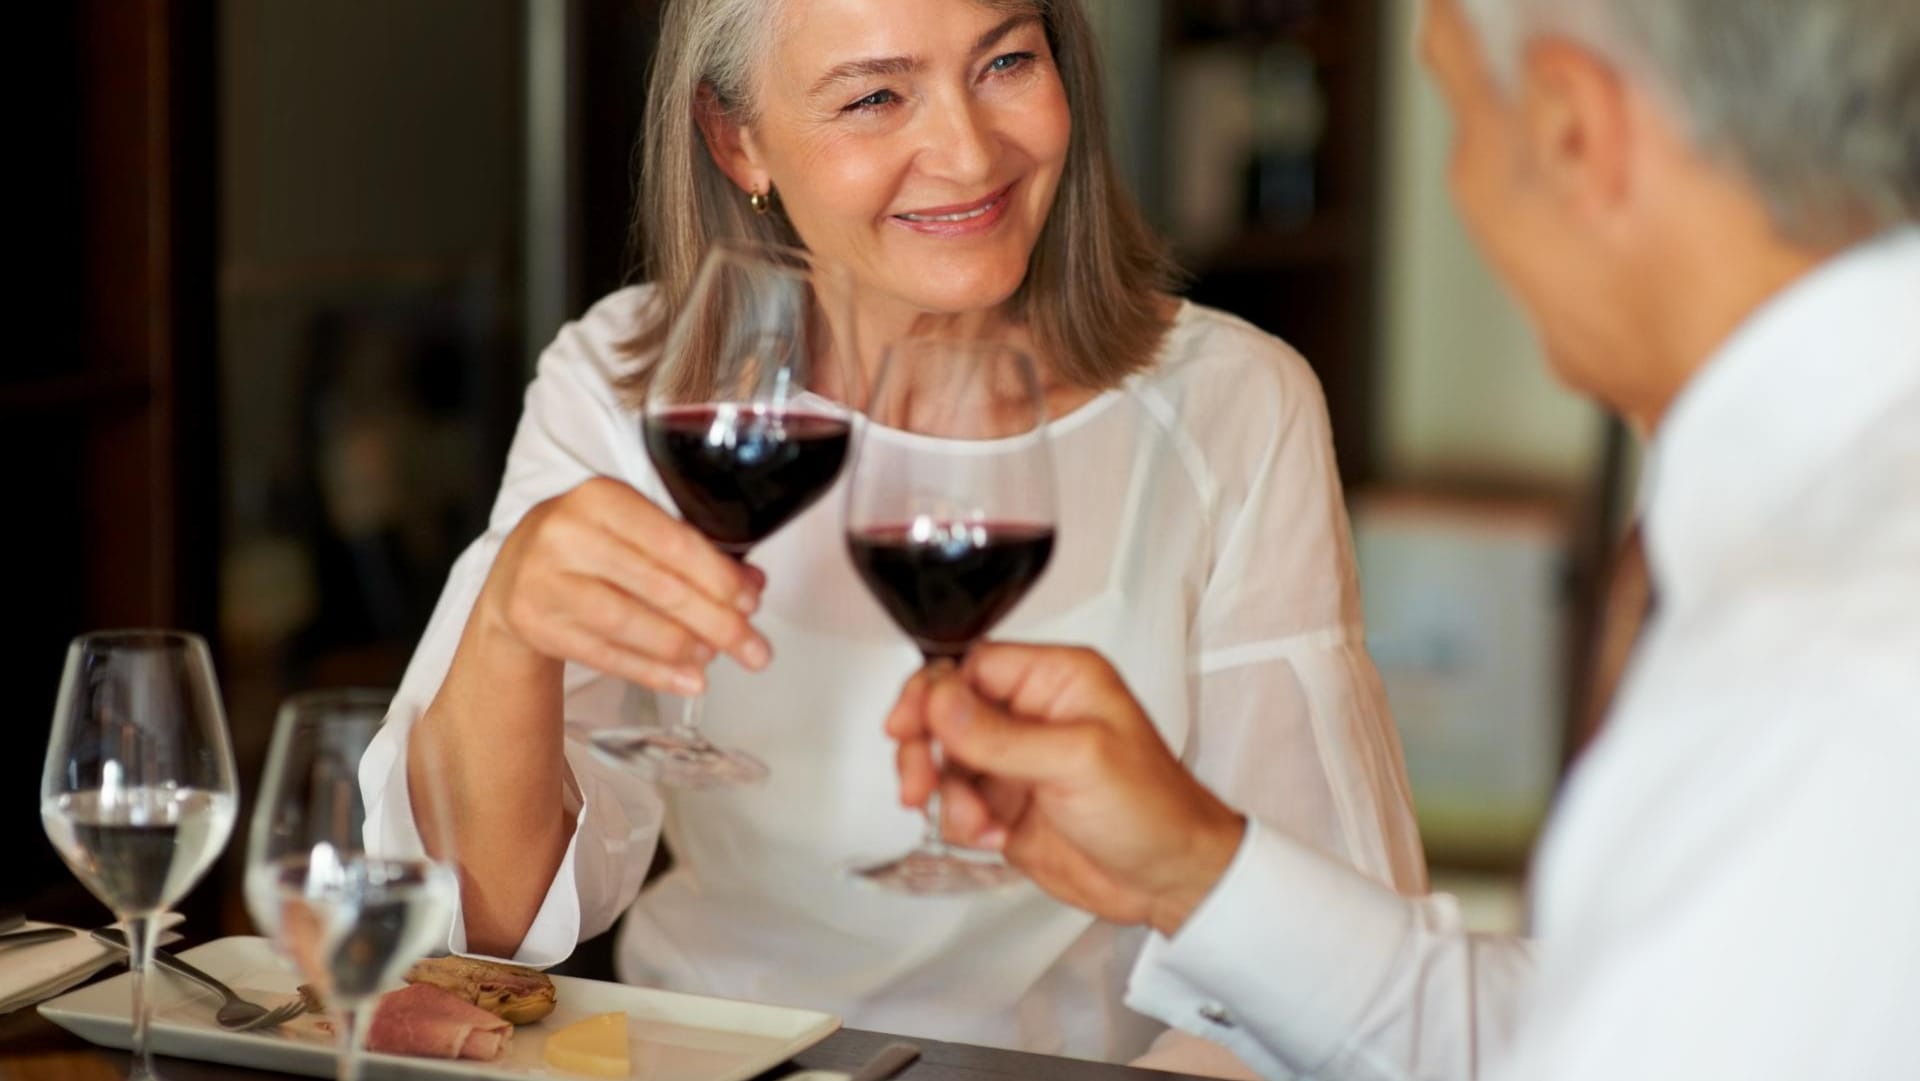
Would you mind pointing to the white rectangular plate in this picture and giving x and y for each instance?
(674, 1037)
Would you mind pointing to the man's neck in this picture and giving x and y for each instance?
(1710, 278)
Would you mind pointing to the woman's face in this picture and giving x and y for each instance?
(919, 142)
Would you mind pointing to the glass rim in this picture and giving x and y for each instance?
(768, 252)
(141, 637)
(913, 352)
(353, 697)
(961, 345)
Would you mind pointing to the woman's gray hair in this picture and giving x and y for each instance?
(1815, 102)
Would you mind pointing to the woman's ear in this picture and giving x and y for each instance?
(730, 143)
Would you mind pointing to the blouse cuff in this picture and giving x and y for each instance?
(555, 930)
(390, 829)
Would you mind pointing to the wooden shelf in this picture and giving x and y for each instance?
(1325, 39)
(1311, 284)
(1321, 242)
(88, 390)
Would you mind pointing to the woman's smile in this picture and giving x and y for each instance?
(960, 219)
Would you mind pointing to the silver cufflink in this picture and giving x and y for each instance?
(1215, 1014)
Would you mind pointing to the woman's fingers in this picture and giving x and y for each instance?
(720, 626)
(632, 624)
(604, 565)
(577, 643)
(629, 516)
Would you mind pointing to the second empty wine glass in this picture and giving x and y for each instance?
(749, 411)
(950, 521)
(138, 791)
(349, 911)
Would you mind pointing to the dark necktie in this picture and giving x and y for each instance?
(1624, 612)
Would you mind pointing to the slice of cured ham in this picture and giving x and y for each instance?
(427, 1022)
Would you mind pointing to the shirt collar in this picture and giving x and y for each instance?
(1808, 373)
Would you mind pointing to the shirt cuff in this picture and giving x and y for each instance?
(1281, 960)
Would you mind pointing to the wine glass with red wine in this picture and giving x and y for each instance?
(748, 416)
(950, 521)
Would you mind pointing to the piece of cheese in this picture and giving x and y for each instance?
(596, 1047)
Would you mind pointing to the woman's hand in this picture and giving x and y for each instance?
(603, 576)
(1062, 771)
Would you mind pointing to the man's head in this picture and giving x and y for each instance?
(1642, 172)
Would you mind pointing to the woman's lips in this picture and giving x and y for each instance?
(964, 219)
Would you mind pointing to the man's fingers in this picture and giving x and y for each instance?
(984, 738)
(964, 818)
(907, 720)
(914, 762)
(1006, 800)
(1053, 683)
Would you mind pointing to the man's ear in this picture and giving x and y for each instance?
(1577, 124)
(730, 144)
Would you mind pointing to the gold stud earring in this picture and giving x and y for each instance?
(760, 201)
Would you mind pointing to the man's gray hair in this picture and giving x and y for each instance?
(1815, 102)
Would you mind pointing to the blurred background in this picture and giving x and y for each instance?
(293, 261)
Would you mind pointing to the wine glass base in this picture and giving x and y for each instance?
(676, 760)
(928, 873)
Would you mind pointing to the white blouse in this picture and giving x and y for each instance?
(1202, 546)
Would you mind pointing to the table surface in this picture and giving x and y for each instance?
(35, 1049)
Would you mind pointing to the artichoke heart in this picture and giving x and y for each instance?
(509, 992)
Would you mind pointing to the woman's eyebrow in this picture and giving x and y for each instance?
(884, 66)
(1007, 26)
(870, 67)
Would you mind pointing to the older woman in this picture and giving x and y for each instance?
(952, 153)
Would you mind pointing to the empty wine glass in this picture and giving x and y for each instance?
(350, 913)
(950, 521)
(138, 792)
(748, 415)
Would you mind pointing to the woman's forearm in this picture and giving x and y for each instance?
(498, 718)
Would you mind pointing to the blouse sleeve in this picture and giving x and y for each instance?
(1291, 721)
(573, 428)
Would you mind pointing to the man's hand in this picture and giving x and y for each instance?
(1060, 769)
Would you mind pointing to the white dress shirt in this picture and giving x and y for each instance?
(1202, 545)
(1730, 887)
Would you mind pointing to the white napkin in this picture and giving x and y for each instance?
(30, 974)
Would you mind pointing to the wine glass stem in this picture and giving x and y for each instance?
(931, 841)
(140, 932)
(689, 727)
(354, 1019)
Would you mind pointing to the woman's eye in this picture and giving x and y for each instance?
(879, 99)
(1009, 62)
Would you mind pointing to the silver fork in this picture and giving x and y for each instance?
(236, 1014)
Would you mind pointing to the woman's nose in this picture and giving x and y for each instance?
(960, 144)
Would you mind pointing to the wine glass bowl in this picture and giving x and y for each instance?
(748, 417)
(349, 910)
(138, 793)
(950, 523)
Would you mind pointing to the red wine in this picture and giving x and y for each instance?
(738, 473)
(947, 590)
